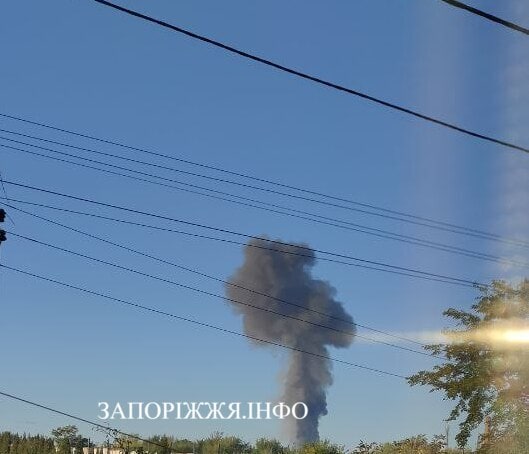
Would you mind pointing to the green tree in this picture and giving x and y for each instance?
(486, 368)
(182, 445)
(25, 444)
(266, 446)
(124, 442)
(5, 442)
(321, 447)
(413, 445)
(366, 448)
(66, 438)
(157, 442)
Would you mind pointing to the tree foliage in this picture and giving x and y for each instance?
(486, 368)
(66, 438)
(321, 447)
(25, 444)
(412, 445)
(269, 446)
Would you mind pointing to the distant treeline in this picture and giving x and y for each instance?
(25, 444)
(64, 439)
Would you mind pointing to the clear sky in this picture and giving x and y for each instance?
(78, 65)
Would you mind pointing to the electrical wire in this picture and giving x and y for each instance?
(487, 16)
(71, 416)
(402, 217)
(427, 275)
(317, 80)
(196, 235)
(392, 268)
(483, 233)
(231, 284)
(337, 223)
(221, 297)
(199, 323)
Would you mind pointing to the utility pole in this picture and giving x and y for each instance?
(3, 236)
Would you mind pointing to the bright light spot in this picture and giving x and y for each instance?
(511, 335)
(520, 336)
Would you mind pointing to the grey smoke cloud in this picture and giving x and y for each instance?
(287, 276)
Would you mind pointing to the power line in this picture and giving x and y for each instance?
(69, 415)
(291, 212)
(393, 268)
(487, 16)
(483, 233)
(215, 295)
(199, 323)
(380, 233)
(425, 275)
(317, 80)
(231, 284)
(394, 215)
(188, 287)
(178, 284)
(322, 219)
(196, 235)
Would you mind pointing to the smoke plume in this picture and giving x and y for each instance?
(285, 274)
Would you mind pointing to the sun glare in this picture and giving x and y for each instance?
(517, 336)
(498, 336)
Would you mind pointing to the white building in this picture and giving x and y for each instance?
(96, 450)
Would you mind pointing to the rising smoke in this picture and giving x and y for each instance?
(285, 273)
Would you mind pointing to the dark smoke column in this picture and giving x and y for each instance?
(286, 274)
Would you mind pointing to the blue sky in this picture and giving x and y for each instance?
(81, 66)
